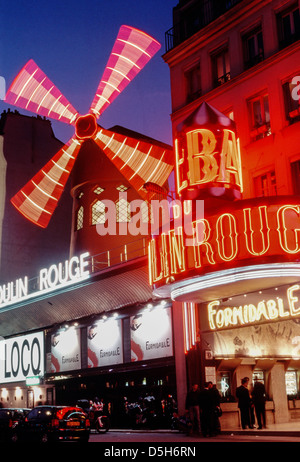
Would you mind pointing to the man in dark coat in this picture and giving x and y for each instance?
(192, 407)
(243, 396)
(259, 400)
(207, 410)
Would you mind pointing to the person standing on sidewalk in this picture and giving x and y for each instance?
(217, 411)
(259, 401)
(192, 406)
(207, 410)
(243, 396)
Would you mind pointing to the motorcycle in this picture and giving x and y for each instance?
(98, 420)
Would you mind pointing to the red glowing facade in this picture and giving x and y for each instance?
(139, 161)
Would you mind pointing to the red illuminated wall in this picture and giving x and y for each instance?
(279, 64)
(94, 169)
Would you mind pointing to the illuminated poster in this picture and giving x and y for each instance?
(65, 350)
(276, 339)
(21, 357)
(151, 334)
(105, 345)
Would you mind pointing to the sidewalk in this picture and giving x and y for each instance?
(289, 428)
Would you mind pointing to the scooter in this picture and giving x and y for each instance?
(98, 420)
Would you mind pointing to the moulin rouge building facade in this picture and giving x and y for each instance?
(223, 278)
(238, 277)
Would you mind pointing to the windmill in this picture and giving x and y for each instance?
(139, 161)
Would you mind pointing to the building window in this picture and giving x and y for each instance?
(224, 385)
(291, 383)
(295, 170)
(98, 212)
(229, 113)
(123, 211)
(291, 100)
(265, 185)
(193, 83)
(253, 47)
(79, 218)
(220, 67)
(146, 211)
(288, 25)
(259, 116)
(98, 190)
(258, 376)
(122, 188)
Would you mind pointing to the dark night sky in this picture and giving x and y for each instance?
(71, 42)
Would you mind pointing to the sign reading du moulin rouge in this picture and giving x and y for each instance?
(21, 357)
(233, 232)
(49, 279)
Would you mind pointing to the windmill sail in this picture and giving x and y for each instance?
(131, 52)
(139, 161)
(38, 199)
(33, 90)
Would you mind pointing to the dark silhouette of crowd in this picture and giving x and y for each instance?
(250, 400)
(203, 410)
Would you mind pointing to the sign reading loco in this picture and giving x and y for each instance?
(252, 232)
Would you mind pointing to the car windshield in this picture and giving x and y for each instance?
(4, 414)
(40, 413)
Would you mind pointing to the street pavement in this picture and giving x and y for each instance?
(276, 433)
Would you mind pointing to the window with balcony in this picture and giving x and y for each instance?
(259, 117)
(220, 67)
(291, 100)
(288, 25)
(253, 47)
(265, 185)
(193, 83)
(295, 170)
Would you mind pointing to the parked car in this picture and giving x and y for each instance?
(8, 418)
(52, 423)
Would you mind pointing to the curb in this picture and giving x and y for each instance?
(265, 432)
(254, 432)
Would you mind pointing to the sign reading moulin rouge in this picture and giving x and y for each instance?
(54, 277)
(251, 232)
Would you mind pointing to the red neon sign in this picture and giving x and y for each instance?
(207, 156)
(255, 231)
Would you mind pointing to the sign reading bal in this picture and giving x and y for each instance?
(207, 156)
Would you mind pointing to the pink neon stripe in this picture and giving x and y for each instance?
(126, 58)
(34, 91)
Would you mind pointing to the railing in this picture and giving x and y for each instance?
(105, 260)
(118, 255)
(200, 16)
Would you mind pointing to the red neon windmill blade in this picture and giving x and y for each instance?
(139, 161)
(34, 91)
(131, 52)
(38, 199)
